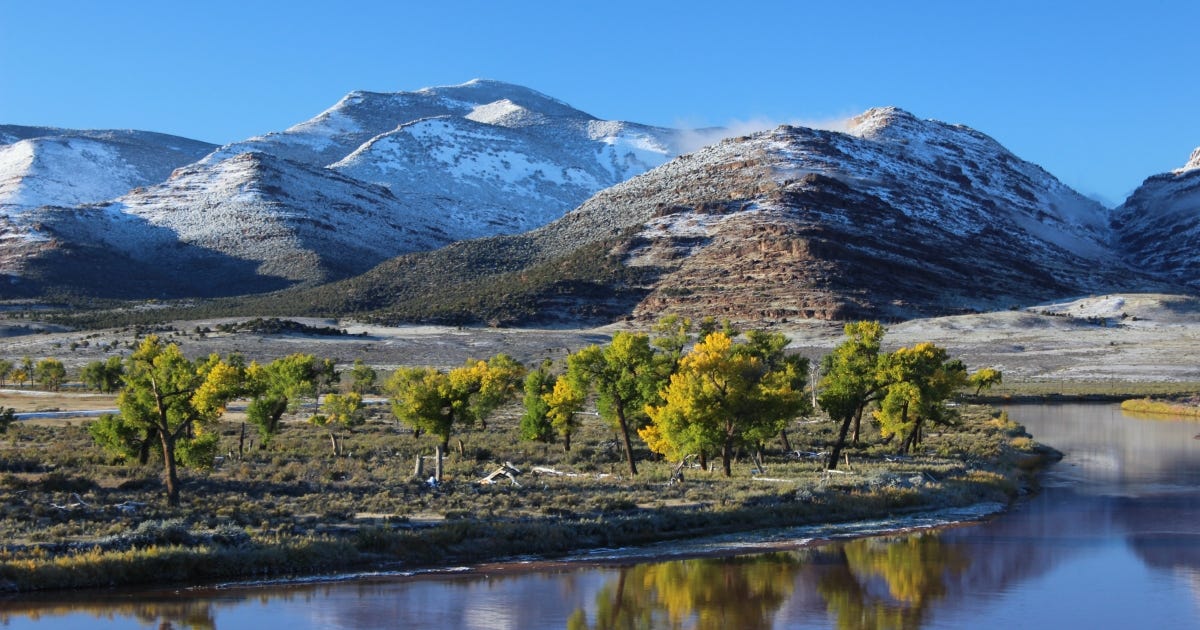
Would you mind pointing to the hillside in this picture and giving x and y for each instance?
(897, 218)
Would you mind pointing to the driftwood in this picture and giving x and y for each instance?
(543, 470)
(507, 470)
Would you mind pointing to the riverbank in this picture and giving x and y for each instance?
(73, 520)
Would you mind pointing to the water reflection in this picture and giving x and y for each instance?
(1112, 540)
(912, 570)
(705, 593)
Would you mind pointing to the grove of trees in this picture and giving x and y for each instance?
(706, 391)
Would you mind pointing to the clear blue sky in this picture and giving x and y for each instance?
(1102, 94)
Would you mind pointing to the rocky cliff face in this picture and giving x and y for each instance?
(896, 218)
(1158, 227)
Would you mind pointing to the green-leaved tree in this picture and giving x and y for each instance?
(439, 403)
(849, 382)
(50, 373)
(626, 376)
(180, 400)
(279, 387)
(103, 376)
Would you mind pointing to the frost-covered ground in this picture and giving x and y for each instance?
(1119, 338)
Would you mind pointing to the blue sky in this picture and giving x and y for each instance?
(1102, 94)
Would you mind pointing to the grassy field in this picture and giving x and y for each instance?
(72, 517)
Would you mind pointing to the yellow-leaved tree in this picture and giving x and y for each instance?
(919, 382)
(724, 395)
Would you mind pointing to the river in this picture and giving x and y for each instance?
(1111, 541)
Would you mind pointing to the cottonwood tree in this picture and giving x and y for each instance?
(339, 412)
(51, 373)
(626, 376)
(535, 422)
(362, 378)
(438, 402)
(849, 383)
(725, 395)
(103, 376)
(178, 399)
(279, 387)
(552, 404)
(6, 368)
(919, 381)
(984, 379)
(564, 403)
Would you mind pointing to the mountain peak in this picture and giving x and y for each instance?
(878, 119)
(1193, 163)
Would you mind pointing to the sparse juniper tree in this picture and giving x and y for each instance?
(279, 387)
(437, 402)
(725, 395)
(8, 415)
(103, 376)
(626, 376)
(50, 373)
(850, 381)
(339, 412)
(180, 400)
(362, 378)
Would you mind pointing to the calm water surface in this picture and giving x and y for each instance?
(1112, 541)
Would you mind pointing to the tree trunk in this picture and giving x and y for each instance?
(242, 442)
(702, 458)
(857, 425)
(145, 447)
(726, 456)
(333, 442)
(567, 442)
(628, 445)
(462, 450)
(787, 445)
(437, 466)
(170, 476)
(837, 446)
(419, 469)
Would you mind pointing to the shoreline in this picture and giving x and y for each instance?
(488, 542)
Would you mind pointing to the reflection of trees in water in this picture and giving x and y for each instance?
(189, 614)
(913, 569)
(741, 592)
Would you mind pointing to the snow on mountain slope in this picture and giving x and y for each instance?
(896, 218)
(504, 157)
(252, 222)
(360, 116)
(510, 174)
(45, 166)
(1158, 226)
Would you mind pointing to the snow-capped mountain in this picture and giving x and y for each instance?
(898, 217)
(375, 176)
(42, 166)
(251, 222)
(502, 157)
(1158, 226)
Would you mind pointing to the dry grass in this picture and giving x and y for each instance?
(72, 517)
